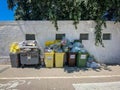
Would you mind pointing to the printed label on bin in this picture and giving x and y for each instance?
(28, 57)
(72, 56)
(49, 58)
(83, 57)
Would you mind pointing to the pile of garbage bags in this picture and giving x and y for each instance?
(65, 45)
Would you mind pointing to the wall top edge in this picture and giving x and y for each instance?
(47, 21)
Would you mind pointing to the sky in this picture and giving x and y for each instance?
(5, 13)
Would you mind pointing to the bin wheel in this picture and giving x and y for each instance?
(36, 66)
(23, 65)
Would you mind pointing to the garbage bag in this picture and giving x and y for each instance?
(77, 44)
(82, 50)
(14, 48)
(47, 49)
(90, 59)
(65, 41)
(75, 49)
(93, 65)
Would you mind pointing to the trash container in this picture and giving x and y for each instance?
(15, 59)
(49, 59)
(59, 59)
(81, 59)
(71, 59)
(30, 58)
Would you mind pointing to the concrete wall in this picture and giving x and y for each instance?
(44, 30)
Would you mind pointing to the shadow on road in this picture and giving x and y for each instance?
(85, 69)
(31, 66)
(72, 69)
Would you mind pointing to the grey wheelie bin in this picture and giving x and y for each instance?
(15, 59)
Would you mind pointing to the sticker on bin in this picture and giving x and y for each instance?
(72, 56)
(28, 57)
(49, 58)
(83, 57)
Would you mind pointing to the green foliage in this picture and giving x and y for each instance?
(75, 10)
(98, 32)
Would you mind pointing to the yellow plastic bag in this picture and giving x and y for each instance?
(48, 43)
(14, 48)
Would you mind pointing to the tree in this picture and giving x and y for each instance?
(75, 10)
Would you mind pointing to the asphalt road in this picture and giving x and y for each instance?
(60, 84)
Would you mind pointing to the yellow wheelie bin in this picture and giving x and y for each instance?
(49, 59)
(59, 59)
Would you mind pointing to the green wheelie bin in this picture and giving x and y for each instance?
(81, 59)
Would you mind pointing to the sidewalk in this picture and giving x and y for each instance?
(6, 71)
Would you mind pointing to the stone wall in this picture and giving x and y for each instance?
(44, 30)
